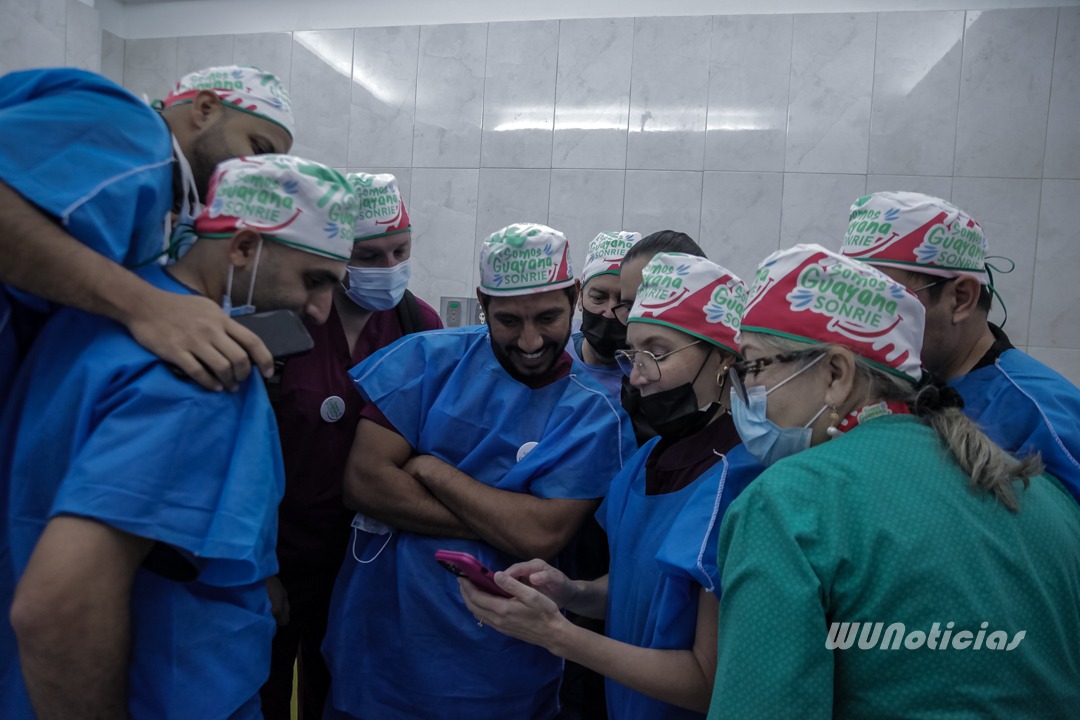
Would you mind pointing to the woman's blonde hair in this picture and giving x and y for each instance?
(991, 469)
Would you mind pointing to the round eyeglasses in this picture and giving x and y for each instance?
(647, 364)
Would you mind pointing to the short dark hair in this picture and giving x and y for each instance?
(664, 241)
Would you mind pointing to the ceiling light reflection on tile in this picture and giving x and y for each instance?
(325, 51)
(738, 120)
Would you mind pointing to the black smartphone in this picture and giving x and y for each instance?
(282, 331)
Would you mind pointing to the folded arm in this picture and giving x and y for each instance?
(519, 524)
(72, 619)
(377, 485)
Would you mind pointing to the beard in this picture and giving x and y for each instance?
(525, 367)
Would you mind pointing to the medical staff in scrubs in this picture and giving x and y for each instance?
(317, 410)
(939, 252)
(487, 440)
(663, 512)
(891, 561)
(143, 509)
(635, 260)
(594, 344)
(601, 334)
(88, 176)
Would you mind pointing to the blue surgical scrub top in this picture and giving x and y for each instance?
(663, 550)
(94, 158)
(99, 428)
(1024, 406)
(400, 641)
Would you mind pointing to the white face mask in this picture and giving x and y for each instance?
(378, 288)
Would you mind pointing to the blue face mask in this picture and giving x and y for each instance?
(378, 288)
(767, 441)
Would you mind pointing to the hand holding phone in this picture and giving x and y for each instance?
(466, 566)
(282, 331)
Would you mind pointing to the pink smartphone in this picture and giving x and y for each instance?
(465, 565)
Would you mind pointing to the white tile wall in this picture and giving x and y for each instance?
(592, 94)
(1063, 128)
(82, 43)
(1005, 92)
(748, 132)
(749, 75)
(450, 96)
(519, 95)
(669, 89)
(32, 34)
(832, 77)
(916, 93)
(383, 105)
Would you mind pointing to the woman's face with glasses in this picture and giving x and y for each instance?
(661, 358)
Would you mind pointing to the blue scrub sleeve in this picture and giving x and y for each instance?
(91, 155)
(696, 555)
(198, 471)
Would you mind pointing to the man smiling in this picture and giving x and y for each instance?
(487, 440)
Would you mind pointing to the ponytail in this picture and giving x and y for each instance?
(990, 468)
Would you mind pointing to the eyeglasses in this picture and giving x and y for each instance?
(740, 370)
(621, 311)
(933, 284)
(647, 364)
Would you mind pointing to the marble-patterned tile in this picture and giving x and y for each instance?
(403, 175)
(443, 215)
(319, 85)
(1005, 92)
(669, 93)
(198, 52)
(519, 94)
(832, 76)
(1057, 266)
(750, 70)
(592, 93)
(83, 37)
(1008, 210)
(662, 200)
(112, 57)
(1065, 361)
(510, 195)
(740, 218)
(1063, 129)
(383, 96)
(916, 92)
(936, 186)
(583, 204)
(150, 67)
(449, 96)
(32, 34)
(815, 208)
(270, 51)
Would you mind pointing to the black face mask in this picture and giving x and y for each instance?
(674, 413)
(631, 402)
(605, 335)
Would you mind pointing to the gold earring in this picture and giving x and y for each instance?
(834, 419)
(721, 375)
